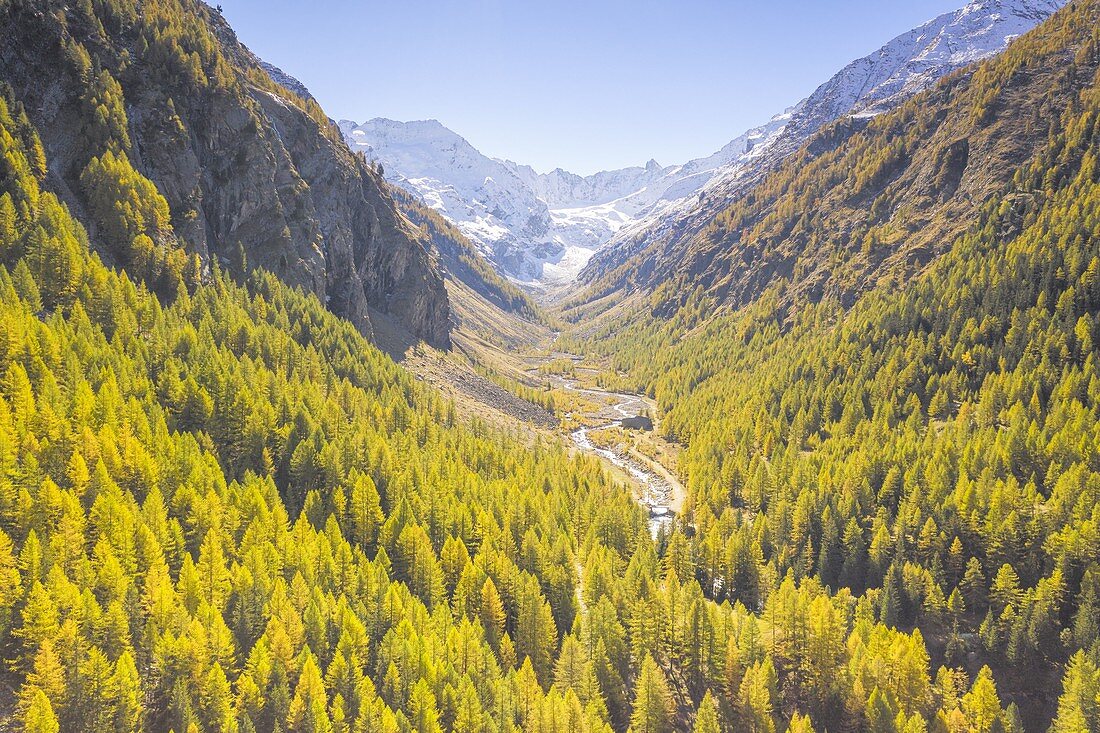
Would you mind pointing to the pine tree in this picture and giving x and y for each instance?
(94, 700)
(423, 714)
(982, 705)
(881, 713)
(214, 580)
(39, 717)
(973, 586)
(55, 261)
(800, 724)
(892, 601)
(127, 682)
(706, 717)
(1079, 704)
(7, 228)
(216, 702)
(572, 667)
(11, 589)
(756, 698)
(366, 511)
(653, 705)
(26, 287)
(1006, 588)
(469, 715)
(39, 620)
(309, 708)
(492, 613)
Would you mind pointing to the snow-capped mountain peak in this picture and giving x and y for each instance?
(536, 227)
(542, 228)
(867, 86)
(918, 58)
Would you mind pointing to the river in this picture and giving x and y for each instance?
(658, 492)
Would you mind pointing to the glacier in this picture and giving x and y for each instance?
(542, 229)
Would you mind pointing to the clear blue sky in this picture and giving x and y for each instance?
(585, 85)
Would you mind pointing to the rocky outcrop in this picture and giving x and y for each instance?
(285, 80)
(246, 165)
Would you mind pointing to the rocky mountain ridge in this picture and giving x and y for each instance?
(253, 174)
(863, 89)
(867, 199)
(544, 229)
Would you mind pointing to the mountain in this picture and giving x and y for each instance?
(285, 80)
(252, 175)
(460, 261)
(916, 60)
(457, 258)
(881, 360)
(527, 224)
(481, 196)
(537, 228)
(864, 88)
(541, 229)
(561, 189)
(224, 509)
(217, 504)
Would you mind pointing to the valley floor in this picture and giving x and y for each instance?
(595, 427)
(505, 383)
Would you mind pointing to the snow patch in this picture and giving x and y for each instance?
(541, 229)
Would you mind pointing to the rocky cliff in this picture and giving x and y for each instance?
(254, 175)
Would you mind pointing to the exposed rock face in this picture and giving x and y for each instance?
(459, 260)
(286, 80)
(244, 163)
(372, 249)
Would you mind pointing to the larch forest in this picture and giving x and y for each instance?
(242, 488)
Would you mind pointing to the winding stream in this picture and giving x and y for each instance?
(657, 494)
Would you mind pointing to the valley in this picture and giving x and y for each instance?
(351, 427)
(595, 427)
(585, 414)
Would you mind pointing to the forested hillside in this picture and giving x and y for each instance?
(248, 173)
(867, 199)
(226, 510)
(933, 448)
(223, 509)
